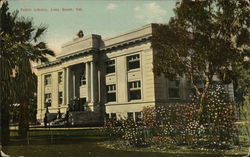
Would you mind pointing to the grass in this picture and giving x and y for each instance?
(95, 143)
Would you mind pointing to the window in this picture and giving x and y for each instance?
(60, 77)
(60, 97)
(82, 79)
(134, 90)
(82, 104)
(113, 116)
(107, 116)
(47, 99)
(133, 62)
(138, 116)
(111, 93)
(130, 115)
(110, 66)
(174, 88)
(47, 79)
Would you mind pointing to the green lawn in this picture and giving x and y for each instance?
(83, 143)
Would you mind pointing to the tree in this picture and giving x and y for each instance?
(204, 39)
(20, 47)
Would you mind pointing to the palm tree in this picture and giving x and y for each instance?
(20, 47)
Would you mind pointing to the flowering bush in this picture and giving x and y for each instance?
(219, 117)
(181, 124)
(134, 133)
(112, 128)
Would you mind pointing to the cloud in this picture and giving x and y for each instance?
(150, 12)
(111, 6)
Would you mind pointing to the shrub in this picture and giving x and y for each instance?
(219, 117)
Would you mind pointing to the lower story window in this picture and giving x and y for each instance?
(107, 116)
(47, 99)
(138, 116)
(111, 93)
(174, 89)
(130, 115)
(113, 116)
(134, 90)
(60, 97)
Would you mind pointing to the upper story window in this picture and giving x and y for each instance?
(110, 66)
(47, 99)
(60, 77)
(111, 93)
(82, 79)
(133, 62)
(47, 79)
(174, 88)
(134, 90)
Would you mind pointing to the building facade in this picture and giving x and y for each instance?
(110, 77)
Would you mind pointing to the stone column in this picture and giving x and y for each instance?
(99, 84)
(94, 84)
(66, 86)
(87, 82)
(74, 85)
(39, 97)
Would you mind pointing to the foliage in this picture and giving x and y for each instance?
(219, 117)
(180, 124)
(203, 39)
(20, 47)
(133, 132)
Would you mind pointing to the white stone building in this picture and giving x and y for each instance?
(111, 77)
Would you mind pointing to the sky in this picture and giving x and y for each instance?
(64, 18)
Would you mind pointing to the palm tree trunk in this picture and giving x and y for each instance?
(5, 119)
(23, 120)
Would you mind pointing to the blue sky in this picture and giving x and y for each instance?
(107, 18)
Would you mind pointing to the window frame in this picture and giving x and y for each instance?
(60, 98)
(174, 88)
(60, 77)
(132, 87)
(111, 89)
(130, 115)
(132, 59)
(47, 79)
(83, 80)
(113, 116)
(110, 64)
(47, 99)
(136, 116)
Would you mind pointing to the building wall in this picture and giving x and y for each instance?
(122, 76)
(93, 52)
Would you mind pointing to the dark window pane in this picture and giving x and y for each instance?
(135, 94)
(133, 65)
(110, 70)
(47, 79)
(138, 116)
(60, 77)
(47, 99)
(174, 93)
(111, 97)
(113, 116)
(133, 62)
(130, 115)
(110, 67)
(60, 97)
(82, 104)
